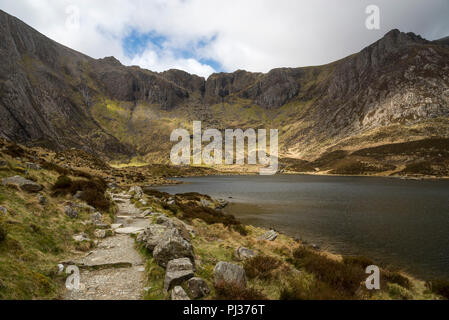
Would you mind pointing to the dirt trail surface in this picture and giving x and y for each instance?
(114, 270)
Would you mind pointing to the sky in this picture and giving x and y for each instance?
(207, 36)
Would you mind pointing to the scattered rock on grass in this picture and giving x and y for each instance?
(70, 211)
(197, 288)
(81, 237)
(22, 183)
(3, 210)
(230, 273)
(42, 199)
(243, 253)
(100, 233)
(269, 236)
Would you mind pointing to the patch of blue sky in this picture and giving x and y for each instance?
(135, 43)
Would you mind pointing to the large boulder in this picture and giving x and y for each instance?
(230, 273)
(178, 293)
(197, 288)
(174, 223)
(22, 183)
(243, 253)
(152, 235)
(178, 271)
(171, 247)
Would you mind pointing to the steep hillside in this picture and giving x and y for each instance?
(394, 91)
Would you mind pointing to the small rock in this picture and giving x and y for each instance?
(3, 163)
(205, 203)
(112, 185)
(96, 217)
(70, 211)
(42, 199)
(171, 202)
(178, 293)
(229, 272)
(197, 288)
(222, 203)
(100, 233)
(78, 194)
(143, 202)
(3, 210)
(101, 225)
(32, 166)
(81, 237)
(22, 183)
(243, 253)
(178, 271)
(269, 236)
(116, 226)
(136, 191)
(129, 230)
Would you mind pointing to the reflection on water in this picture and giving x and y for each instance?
(402, 222)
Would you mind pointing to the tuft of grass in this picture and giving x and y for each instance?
(233, 291)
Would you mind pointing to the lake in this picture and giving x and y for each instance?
(404, 223)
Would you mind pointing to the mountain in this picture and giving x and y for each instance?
(393, 91)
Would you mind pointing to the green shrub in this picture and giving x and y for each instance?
(93, 190)
(63, 182)
(340, 276)
(261, 266)
(240, 228)
(233, 291)
(397, 278)
(440, 287)
(398, 292)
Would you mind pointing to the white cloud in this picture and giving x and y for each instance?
(256, 35)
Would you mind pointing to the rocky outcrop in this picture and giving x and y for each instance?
(22, 184)
(48, 93)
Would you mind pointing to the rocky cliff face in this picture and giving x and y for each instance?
(397, 89)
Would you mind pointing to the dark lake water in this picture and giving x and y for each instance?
(400, 222)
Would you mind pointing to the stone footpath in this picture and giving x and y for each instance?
(114, 270)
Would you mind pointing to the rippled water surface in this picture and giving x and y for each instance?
(402, 222)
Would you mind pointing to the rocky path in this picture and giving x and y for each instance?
(114, 270)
